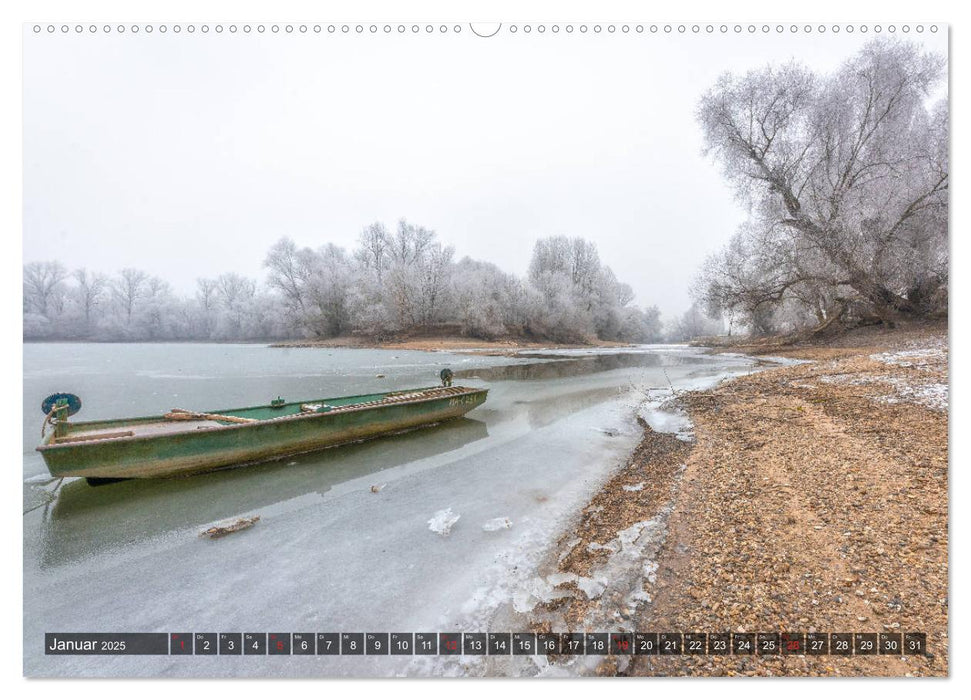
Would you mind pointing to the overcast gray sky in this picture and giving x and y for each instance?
(189, 155)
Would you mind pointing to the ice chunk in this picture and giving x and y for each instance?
(650, 571)
(497, 524)
(561, 577)
(537, 590)
(592, 588)
(442, 522)
(630, 536)
(597, 547)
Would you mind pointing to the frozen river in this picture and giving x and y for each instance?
(330, 553)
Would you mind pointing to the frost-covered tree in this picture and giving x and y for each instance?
(552, 310)
(44, 287)
(287, 267)
(329, 279)
(128, 289)
(205, 307)
(692, 324)
(488, 303)
(235, 295)
(157, 312)
(641, 325)
(404, 278)
(400, 282)
(578, 294)
(846, 176)
(89, 295)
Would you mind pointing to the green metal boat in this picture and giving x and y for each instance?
(186, 442)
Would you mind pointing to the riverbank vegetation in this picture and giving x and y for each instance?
(395, 283)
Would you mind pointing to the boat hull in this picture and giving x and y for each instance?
(226, 446)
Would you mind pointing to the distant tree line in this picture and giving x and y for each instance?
(395, 282)
(846, 179)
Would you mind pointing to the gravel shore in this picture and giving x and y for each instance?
(814, 499)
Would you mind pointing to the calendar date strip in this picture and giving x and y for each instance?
(485, 643)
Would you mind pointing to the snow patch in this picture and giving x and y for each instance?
(930, 356)
(634, 487)
(933, 395)
(785, 361)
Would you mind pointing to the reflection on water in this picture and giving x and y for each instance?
(85, 520)
(545, 412)
(559, 367)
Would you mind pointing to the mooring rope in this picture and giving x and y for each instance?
(48, 419)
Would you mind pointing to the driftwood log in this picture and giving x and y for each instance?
(217, 531)
(182, 414)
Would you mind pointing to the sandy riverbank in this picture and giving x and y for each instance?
(441, 343)
(814, 499)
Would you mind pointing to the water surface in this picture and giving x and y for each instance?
(343, 543)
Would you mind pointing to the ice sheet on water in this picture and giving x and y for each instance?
(40, 479)
(533, 459)
(442, 522)
(665, 417)
(768, 358)
(631, 349)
